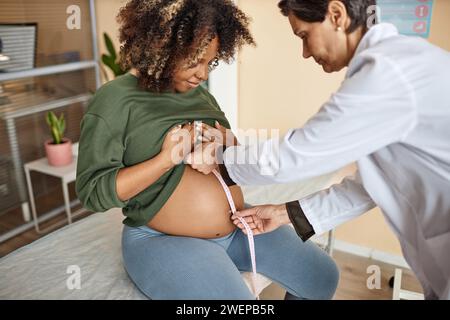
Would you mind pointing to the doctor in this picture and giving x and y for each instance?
(391, 115)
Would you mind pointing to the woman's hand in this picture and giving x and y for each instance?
(178, 143)
(263, 218)
(203, 158)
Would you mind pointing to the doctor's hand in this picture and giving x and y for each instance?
(203, 158)
(263, 218)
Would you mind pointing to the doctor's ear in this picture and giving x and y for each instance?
(338, 15)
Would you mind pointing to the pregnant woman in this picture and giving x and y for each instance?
(178, 239)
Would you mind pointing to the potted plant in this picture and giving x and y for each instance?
(58, 149)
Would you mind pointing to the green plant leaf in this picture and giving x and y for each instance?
(107, 61)
(114, 67)
(57, 126)
(48, 119)
(110, 46)
(111, 60)
(56, 137)
(53, 119)
(117, 70)
(62, 127)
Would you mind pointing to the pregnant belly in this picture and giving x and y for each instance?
(197, 208)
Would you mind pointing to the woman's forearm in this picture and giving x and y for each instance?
(132, 180)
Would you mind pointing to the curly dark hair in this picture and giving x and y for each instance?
(157, 35)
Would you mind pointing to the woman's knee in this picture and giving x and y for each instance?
(321, 284)
(330, 279)
(308, 272)
(325, 276)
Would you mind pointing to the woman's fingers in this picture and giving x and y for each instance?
(212, 133)
(206, 126)
(208, 135)
(186, 126)
(191, 131)
(189, 159)
(182, 132)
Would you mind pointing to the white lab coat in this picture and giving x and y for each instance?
(392, 116)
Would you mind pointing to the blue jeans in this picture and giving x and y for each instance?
(175, 267)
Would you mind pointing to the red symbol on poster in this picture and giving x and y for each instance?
(422, 11)
(420, 27)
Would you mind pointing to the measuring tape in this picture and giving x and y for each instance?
(251, 242)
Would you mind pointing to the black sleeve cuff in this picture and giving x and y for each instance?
(223, 169)
(301, 224)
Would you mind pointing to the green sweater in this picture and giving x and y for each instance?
(124, 126)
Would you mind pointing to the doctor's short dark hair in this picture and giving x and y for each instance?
(157, 35)
(316, 11)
